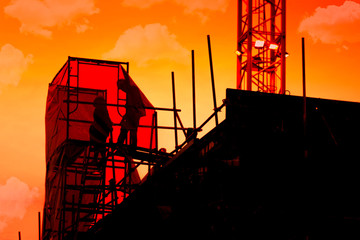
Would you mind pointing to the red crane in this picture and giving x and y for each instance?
(261, 45)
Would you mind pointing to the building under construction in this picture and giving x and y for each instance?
(256, 175)
(278, 166)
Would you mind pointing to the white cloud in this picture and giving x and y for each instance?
(15, 197)
(196, 5)
(141, 3)
(3, 225)
(334, 24)
(150, 43)
(12, 65)
(39, 16)
(83, 27)
(191, 6)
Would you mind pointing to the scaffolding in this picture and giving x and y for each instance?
(84, 183)
(261, 46)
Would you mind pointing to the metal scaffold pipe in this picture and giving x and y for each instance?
(212, 80)
(174, 108)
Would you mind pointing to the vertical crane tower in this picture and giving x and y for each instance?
(261, 50)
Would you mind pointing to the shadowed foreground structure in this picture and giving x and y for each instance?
(249, 178)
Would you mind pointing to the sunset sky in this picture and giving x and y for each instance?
(156, 37)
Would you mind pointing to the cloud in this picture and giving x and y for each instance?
(198, 7)
(39, 16)
(15, 197)
(3, 225)
(83, 27)
(141, 3)
(334, 24)
(150, 43)
(12, 65)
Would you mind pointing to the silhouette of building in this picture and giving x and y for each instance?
(260, 174)
(254, 176)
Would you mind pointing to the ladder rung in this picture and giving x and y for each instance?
(92, 191)
(88, 220)
(81, 187)
(89, 211)
(83, 205)
(93, 177)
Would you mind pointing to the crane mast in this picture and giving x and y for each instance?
(261, 49)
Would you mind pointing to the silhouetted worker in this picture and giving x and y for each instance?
(191, 134)
(100, 128)
(134, 111)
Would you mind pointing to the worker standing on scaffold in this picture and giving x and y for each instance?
(100, 129)
(135, 109)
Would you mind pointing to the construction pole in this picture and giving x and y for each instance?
(304, 95)
(39, 223)
(238, 45)
(68, 101)
(212, 80)
(174, 109)
(249, 46)
(19, 235)
(156, 132)
(283, 48)
(193, 88)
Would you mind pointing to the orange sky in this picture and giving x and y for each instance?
(156, 36)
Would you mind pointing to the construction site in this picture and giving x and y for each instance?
(278, 167)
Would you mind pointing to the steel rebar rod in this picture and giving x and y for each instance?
(193, 87)
(174, 108)
(212, 80)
